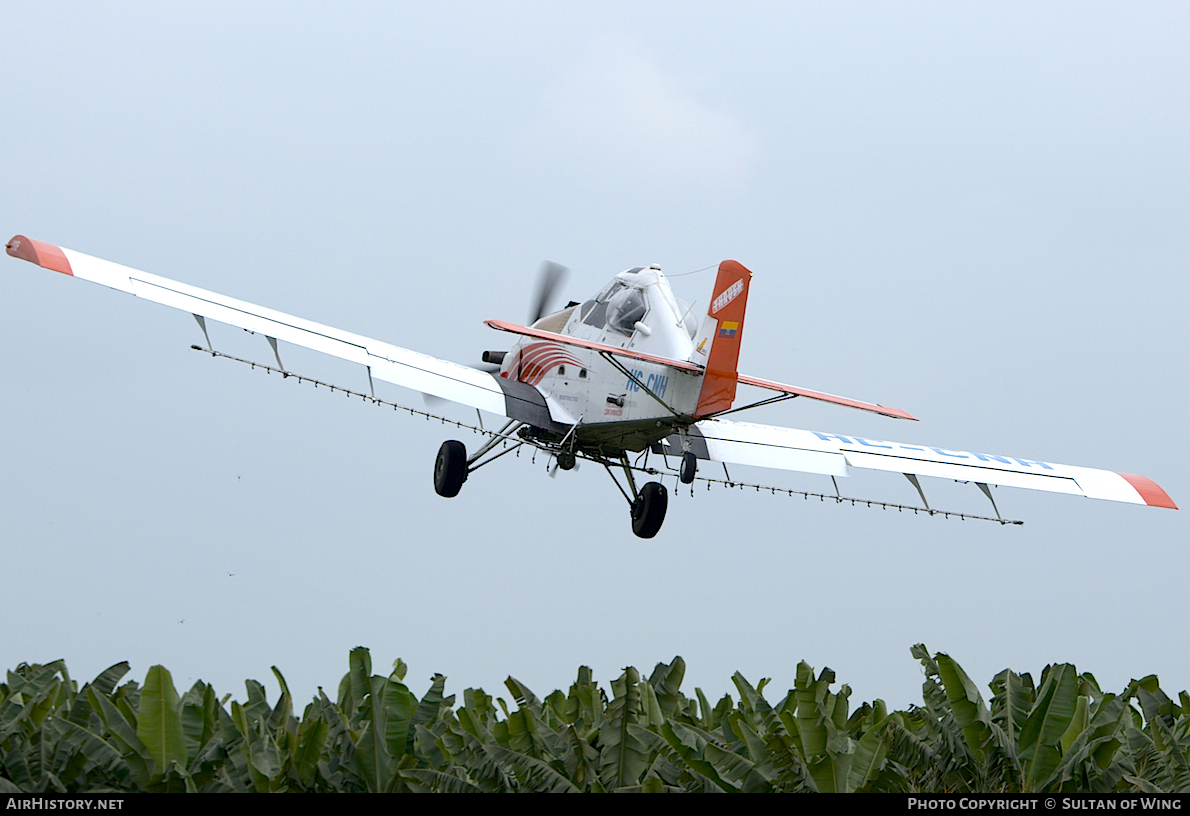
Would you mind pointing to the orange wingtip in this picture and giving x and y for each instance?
(44, 255)
(1150, 491)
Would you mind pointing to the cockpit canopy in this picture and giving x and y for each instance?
(625, 308)
(619, 307)
(631, 298)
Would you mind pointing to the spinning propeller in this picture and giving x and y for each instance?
(549, 275)
(548, 278)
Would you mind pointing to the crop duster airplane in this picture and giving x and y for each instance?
(633, 370)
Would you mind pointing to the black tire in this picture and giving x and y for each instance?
(567, 460)
(648, 511)
(689, 468)
(450, 469)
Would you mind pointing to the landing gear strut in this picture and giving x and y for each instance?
(452, 466)
(647, 504)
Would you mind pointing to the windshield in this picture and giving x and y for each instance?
(625, 308)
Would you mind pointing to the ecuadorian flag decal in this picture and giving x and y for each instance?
(728, 328)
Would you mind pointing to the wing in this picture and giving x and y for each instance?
(386, 362)
(745, 443)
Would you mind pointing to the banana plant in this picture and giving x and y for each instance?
(1062, 734)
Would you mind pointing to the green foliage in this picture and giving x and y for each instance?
(1062, 735)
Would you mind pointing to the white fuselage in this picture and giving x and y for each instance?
(618, 400)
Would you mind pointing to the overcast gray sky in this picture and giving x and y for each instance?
(977, 212)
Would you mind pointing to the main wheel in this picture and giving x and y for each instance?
(450, 469)
(689, 467)
(648, 511)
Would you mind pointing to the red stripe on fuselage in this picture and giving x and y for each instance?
(538, 351)
(536, 360)
(536, 373)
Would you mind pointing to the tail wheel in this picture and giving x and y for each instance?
(648, 511)
(689, 468)
(450, 469)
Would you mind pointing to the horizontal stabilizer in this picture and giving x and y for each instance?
(818, 395)
(554, 337)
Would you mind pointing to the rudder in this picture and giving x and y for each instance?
(717, 345)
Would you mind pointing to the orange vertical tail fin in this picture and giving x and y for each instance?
(717, 345)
